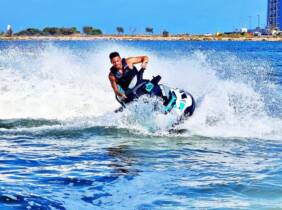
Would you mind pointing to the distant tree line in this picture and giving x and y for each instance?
(88, 30)
(120, 30)
(30, 32)
(59, 31)
(148, 30)
(55, 31)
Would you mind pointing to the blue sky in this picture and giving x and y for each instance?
(176, 16)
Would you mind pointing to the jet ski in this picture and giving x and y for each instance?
(174, 100)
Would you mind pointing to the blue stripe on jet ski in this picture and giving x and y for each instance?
(172, 100)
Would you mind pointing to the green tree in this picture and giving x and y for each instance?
(120, 30)
(96, 31)
(149, 30)
(89, 30)
(165, 33)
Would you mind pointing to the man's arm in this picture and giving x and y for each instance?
(114, 86)
(139, 59)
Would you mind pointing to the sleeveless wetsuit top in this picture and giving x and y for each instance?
(124, 79)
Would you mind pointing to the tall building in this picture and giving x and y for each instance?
(274, 15)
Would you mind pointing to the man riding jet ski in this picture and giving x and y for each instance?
(128, 85)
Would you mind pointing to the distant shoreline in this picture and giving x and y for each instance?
(140, 38)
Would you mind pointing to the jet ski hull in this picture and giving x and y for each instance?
(174, 100)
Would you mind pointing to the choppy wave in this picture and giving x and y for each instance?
(56, 87)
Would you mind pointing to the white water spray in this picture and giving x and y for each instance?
(52, 82)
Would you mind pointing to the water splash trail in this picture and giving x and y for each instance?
(235, 96)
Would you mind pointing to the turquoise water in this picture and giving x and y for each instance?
(62, 147)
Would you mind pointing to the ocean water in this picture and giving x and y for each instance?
(63, 147)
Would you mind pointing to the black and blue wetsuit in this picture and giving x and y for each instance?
(124, 79)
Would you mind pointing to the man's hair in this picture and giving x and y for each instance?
(113, 54)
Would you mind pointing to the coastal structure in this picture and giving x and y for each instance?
(9, 31)
(274, 15)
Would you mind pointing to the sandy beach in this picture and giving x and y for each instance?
(145, 38)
